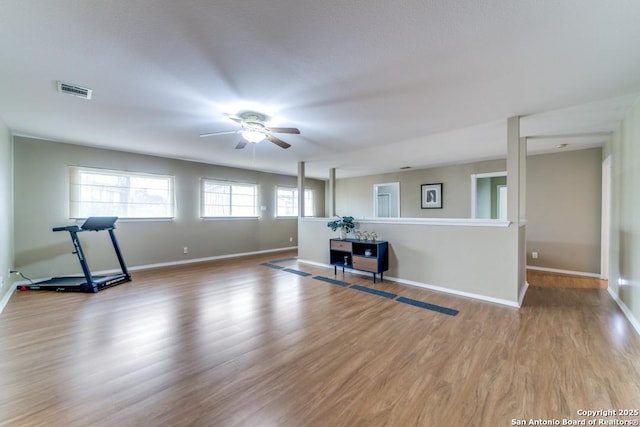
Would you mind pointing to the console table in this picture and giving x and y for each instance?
(371, 256)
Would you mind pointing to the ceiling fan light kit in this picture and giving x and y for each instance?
(253, 136)
(254, 130)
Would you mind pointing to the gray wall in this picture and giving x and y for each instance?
(6, 211)
(446, 250)
(354, 196)
(563, 203)
(474, 260)
(564, 210)
(624, 262)
(41, 202)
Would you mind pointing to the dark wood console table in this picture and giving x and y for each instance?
(364, 255)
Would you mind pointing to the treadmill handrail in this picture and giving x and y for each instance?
(92, 223)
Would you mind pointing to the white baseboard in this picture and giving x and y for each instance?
(560, 271)
(319, 264)
(197, 260)
(523, 292)
(5, 299)
(430, 287)
(629, 315)
(457, 292)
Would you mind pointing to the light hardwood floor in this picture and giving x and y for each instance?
(235, 343)
(544, 279)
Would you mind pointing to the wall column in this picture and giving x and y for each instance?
(301, 189)
(513, 170)
(516, 185)
(332, 192)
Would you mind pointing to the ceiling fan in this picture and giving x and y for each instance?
(254, 130)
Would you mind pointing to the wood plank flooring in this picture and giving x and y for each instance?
(544, 279)
(236, 343)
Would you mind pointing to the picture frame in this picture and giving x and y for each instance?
(431, 196)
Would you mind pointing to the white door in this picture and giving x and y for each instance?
(384, 207)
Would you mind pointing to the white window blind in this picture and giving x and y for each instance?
(287, 202)
(228, 199)
(102, 192)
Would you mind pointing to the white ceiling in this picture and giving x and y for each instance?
(372, 85)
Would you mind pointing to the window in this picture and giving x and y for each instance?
(287, 202)
(227, 199)
(102, 192)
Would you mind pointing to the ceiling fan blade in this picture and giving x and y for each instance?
(218, 133)
(277, 141)
(241, 144)
(285, 130)
(235, 119)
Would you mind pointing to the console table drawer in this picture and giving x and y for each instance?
(341, 246)
(365, 264)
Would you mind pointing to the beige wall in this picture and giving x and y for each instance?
(354, 196)
(479, 261)
(41, 203)
(477, 258)
(624, 262)
(6, 212)
(564, 210)
(562, 203)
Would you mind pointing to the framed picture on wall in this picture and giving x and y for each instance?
(431, 196)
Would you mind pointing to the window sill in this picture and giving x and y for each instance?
(229, 218)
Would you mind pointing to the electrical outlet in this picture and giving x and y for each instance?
(534, 255)
(185, 250)
(290, 239)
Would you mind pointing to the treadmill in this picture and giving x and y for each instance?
(88, 282)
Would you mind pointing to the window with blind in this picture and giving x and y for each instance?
(102, 192)
(221, 199)
(287, 202)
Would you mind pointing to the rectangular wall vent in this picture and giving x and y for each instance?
(69, 89)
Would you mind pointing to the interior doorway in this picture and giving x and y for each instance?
(386, 200)
(383, 205)
(489, 195)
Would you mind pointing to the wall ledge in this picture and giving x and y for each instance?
(461, 222)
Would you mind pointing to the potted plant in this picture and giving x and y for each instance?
(346, 225)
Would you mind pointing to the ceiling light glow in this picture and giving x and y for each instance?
(253, 136)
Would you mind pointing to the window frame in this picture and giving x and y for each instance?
(77, 212)
(307, 191)
(230, 184)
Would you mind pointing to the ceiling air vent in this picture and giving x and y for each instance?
(81, 92)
